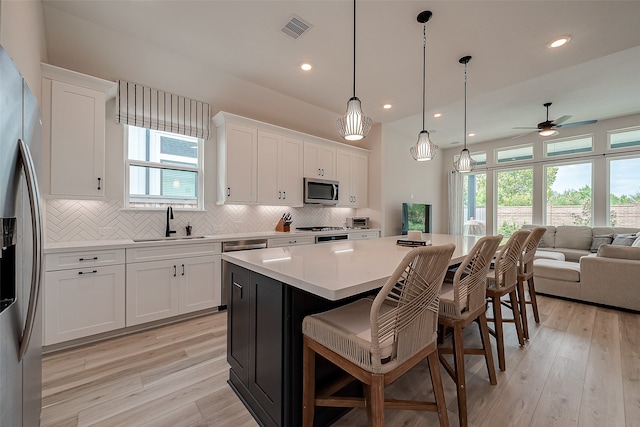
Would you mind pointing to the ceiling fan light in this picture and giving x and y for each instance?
(354, 125)
(464, 163)
(547, 132)
(424, 149)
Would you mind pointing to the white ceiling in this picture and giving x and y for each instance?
(512, 73)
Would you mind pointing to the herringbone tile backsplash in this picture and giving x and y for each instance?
(71, 220)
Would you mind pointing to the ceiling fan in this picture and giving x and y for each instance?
(550, 127)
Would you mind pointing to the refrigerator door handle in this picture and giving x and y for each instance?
(36, 223)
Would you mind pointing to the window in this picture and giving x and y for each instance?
(624, 192)
(569, 194)
(624, 138)
(474, 187)
(480, 158)
(163, 169)
(514, 154)
(514, 200)
(568, 146)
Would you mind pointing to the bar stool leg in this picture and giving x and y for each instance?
(534, 300)
(438, 390)
(522, 299)
(308, 384)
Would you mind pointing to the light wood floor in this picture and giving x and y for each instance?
(581, 367)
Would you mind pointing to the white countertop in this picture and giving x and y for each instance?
(56, 247)
(339, 269)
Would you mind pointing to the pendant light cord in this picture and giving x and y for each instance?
(354, 48)
(465, 105)
(424, 72)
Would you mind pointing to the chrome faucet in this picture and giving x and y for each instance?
(169, 231)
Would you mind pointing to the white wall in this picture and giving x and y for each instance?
(22, 36)
(405, 180)
(598, 130)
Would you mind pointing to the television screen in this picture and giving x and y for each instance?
(416, 216)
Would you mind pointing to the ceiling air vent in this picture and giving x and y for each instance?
(295, 27)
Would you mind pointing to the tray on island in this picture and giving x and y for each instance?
(413, 243)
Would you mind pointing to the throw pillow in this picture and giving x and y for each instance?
(624, 239)
(542, 244)
(636, 243)
(600, 240)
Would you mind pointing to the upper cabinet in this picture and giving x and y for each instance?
(319, 161)
(74, 116)
(352, 172)
(237, 164)
(279, 169)
(259, 163)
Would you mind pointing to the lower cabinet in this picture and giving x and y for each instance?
(364, 235)
(255, 340)
(85, 300)
(290, 241)
(160, 289)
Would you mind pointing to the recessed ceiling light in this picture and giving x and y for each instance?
(386, 106)
(560, 41)
(436, 115)
(306, 66)
(472, 134)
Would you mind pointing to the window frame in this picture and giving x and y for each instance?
(164, 201)
(569, 139)
(496, 183)
(609, 159)
(618, 131)
(513, 162)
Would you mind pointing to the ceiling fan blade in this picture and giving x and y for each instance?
(568, 125)
(520, 127)
(561, 119)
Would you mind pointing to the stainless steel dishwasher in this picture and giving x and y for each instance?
(232, 246)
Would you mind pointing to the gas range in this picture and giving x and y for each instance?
(319, 228)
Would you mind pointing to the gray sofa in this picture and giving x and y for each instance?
(610, 276)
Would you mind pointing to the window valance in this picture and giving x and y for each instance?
(142, 106)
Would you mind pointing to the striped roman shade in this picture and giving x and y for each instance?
(142, 106)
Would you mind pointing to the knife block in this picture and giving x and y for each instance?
(281, 227)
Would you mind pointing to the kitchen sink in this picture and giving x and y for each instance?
(163, 239)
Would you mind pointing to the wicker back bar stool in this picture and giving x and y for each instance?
(461, 303)
(376, 340)
(525, 274)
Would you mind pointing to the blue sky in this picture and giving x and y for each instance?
(625, 177)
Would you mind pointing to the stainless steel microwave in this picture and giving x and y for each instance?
(320, 191)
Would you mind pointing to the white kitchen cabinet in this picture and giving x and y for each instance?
(319, 161)
(84, 294)
(364, 235)
(172, 281)
(74, 116)
(280, 163)
(237, 164)
(352, 173)
(277, 242)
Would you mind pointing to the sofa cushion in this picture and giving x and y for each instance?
(600, 240)
(621, 252)
(558, 270)
(548, 238)
(559, 256)
(573, 255)
(624, 239)
(573, 237)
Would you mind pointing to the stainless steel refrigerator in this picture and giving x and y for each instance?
(21, 251)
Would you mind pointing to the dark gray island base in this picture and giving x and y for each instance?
(264, 347)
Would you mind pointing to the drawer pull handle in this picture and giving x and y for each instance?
(95, 258)
(88, 272)
(175, 271)
(183, 269)
(239, 286)
(99, 183)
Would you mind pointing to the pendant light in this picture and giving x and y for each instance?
(354, 125)
(424, 148)
(465, 163)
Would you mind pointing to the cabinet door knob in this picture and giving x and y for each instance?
(279, 195)
(284, 194)
(239, 286)
(99, 183)
(228, 191)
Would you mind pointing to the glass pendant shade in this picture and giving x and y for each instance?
(424, 149)
(547, 132)
(464, 163)
(354, 125)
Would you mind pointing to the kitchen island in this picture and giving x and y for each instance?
(272, 290)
